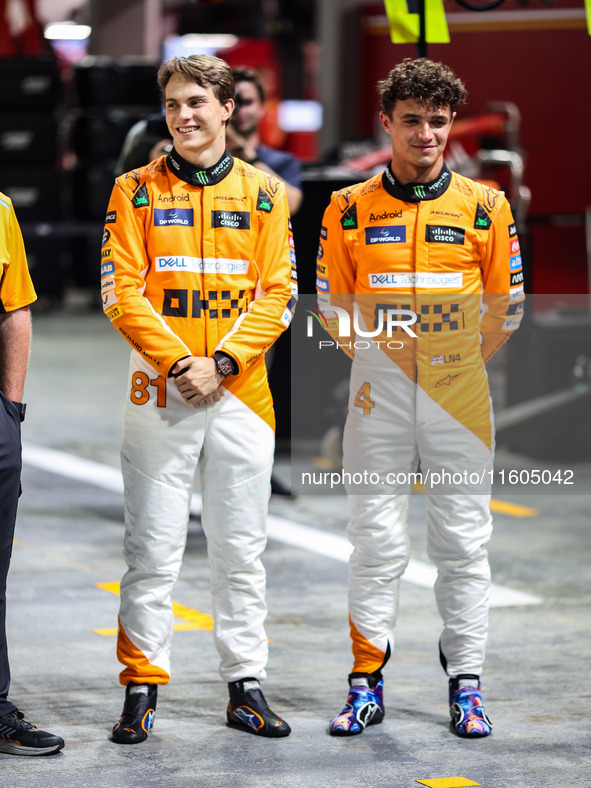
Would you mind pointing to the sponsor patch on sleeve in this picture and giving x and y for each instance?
(515, 263)
(113, 313)
(140, 199)
(512, 323)
(107, 283)
(322, 284)
(515, 308)
(349, 218)
(264, 202)
(482, 220)
(109, 299)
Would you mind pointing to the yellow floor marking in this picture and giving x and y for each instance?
(192, 619)
(112, 588)
(324, 463)
(513, 509)
(448, 782)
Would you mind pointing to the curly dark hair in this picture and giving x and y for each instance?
(205, 70)
(424, 80)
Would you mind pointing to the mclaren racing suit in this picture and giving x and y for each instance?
(442, 258)
(194, 263)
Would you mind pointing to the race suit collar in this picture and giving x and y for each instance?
(415, 192)
(202, 177)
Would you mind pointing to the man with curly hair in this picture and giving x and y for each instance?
(425, 247)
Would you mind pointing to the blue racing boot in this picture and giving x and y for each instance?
(365, 705)
(466, 707)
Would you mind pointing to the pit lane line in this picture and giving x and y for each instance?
(281, 529)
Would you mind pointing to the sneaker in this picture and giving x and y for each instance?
(365, 706)
(466, 707)
(19, 737)
(138, 713)
(248, 711)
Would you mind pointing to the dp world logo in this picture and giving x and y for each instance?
(168, 217)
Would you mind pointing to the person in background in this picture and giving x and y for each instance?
(197, 276)
(146, 140)
(244, 140)
(243, 137)
(17, 735)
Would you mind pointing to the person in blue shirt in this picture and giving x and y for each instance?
(243, 137)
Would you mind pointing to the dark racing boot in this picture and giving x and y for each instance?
(138, 713)
(365, 705)
(248, 711)
(466, 707)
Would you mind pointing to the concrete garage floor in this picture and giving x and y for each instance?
(69, 533)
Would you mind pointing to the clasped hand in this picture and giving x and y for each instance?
(198, 380)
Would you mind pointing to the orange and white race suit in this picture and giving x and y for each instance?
(195, 262)
(431, 275)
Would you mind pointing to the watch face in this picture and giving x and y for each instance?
(224, 365)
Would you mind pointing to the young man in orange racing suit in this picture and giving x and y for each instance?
(442, 250)
(198, 275)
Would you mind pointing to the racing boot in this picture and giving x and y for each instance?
(365, 705)
(138, 713)
(248, 710)
(466, 707)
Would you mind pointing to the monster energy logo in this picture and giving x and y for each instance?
(201, 177)
(419, 191)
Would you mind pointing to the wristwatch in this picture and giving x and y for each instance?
(226, 365)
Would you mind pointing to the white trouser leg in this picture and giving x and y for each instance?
(459, 526)
(458, 529)
(159, 454)
(377, 440)
(235, 472)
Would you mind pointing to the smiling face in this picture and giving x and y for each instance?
(419, 134)
(196, 120)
